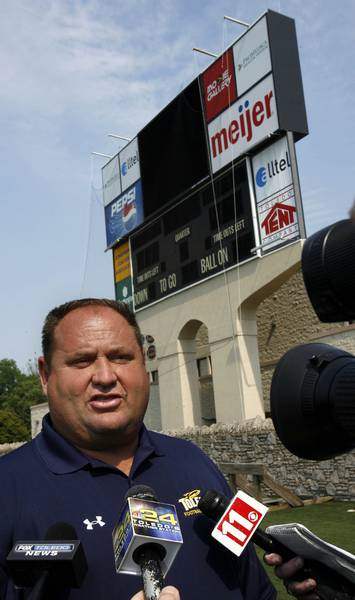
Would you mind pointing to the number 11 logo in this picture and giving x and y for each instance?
(239, 522)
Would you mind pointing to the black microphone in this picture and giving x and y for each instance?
(332, 567)
(146, 538)
(59, 560)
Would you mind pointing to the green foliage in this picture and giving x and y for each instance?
(10, 375)
(18, 391)
(12, 428)
(24, 394)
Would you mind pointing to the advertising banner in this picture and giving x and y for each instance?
(111, 181)
(129, 164)
(122, 273)
(124, 214)
(275, 196)
(252, 56)
(219, 89)
(248, 122)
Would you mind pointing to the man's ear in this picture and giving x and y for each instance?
(43, 374)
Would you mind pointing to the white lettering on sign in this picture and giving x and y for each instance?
(213, 260)
(140, 296)
(228, 231)
(169, 282)
(180, 235)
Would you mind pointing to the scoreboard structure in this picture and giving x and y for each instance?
(211, 181)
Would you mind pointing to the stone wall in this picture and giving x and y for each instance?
(256, 441)
(286, 319)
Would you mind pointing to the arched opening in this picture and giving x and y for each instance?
(194, 342)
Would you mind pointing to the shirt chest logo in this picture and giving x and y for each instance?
(190, 502)
(90, 524)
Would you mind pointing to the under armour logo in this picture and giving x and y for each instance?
(90, 524)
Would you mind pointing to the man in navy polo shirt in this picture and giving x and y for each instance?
(94, 447)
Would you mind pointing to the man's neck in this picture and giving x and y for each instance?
(120, 457)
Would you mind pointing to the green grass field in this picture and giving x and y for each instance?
(330, 521)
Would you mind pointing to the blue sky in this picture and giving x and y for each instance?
(72, 72)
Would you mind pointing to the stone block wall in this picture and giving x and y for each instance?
(256, 441)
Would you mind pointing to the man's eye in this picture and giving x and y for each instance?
(120, 359)
(81, 363)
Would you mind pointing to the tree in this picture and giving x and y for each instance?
(10, 375)
(18, 391)
(26, 393)
(12, 428)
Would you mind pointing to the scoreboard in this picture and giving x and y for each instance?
(209, 231)
(212, 175)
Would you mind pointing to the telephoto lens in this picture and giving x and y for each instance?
(312, 401)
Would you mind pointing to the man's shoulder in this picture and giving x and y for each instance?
(17, 458)
(180, 448)
(171, 442)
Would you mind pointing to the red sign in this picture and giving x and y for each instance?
(219, 85)
(239, 522)
(280, 216)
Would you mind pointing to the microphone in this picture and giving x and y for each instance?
(331, 566)
(59, 560)
(146, 538)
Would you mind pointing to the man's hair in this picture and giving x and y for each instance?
(58, 313)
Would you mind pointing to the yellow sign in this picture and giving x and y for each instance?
(121, 262)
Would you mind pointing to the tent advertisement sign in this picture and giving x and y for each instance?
(277, 215)
(124, 214)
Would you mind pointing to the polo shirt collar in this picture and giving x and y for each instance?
(62, 457)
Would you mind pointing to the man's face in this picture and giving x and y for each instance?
(97, 385)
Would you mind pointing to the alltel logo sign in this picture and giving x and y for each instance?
(250, 120)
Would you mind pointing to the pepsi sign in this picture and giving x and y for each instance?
(124, 214)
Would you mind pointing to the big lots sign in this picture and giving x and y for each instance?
(243, 125)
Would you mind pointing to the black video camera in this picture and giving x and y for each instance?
(313, 387)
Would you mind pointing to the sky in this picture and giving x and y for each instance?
(73, 71)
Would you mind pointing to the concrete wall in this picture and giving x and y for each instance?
(226, 306)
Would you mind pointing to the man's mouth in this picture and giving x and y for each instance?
(103, 402)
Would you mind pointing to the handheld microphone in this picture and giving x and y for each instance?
(59, 559)
(146, 538)
(331, 566)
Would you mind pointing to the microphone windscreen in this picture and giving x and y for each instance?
(143, 492)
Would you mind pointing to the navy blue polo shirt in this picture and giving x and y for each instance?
(48, 481)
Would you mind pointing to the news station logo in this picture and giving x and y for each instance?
(219, 85)
(239, 522)
(272, 169)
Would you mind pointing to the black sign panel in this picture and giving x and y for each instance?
(210, 230)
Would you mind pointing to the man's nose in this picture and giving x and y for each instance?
(104, 373)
